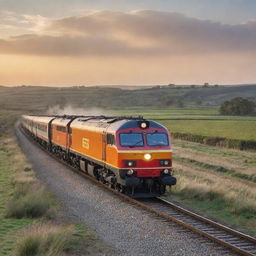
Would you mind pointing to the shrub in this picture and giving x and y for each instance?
(27, 169)
(47, 240)
(29, 246)
(237, 106)
(30, 202)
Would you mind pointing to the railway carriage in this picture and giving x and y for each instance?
(132, 155)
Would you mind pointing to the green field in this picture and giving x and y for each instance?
(200, 121)
(244, 130)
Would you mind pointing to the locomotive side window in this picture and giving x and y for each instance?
(110, 139)
(131, 140)
(61, 128)
(42, 127)
(157, 139)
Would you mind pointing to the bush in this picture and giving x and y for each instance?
(29, 246)
(29, 202)
(237, 106)
(47, 240)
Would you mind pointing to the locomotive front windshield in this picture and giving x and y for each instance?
(131, 140)
(157, 139)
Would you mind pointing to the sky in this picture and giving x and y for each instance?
(127, 42)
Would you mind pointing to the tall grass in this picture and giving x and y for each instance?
(232, 201)
(46, 239)
(217, 168)
(30, 201)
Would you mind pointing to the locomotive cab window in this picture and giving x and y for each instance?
(157, 139)
(131, 140)
(110, 139)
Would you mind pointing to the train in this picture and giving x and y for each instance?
(132, 155)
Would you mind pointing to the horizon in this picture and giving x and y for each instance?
(137, 85)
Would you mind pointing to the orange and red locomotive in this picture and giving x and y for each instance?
(132, 155)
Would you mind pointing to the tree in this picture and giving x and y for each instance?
(237, 106)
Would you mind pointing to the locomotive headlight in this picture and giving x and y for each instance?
(130, 172)
(166, 171)
(130, 163)
(147, 156)
(165, 162)
(143, 125)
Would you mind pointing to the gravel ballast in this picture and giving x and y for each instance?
(128, 229)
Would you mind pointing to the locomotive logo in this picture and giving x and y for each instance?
(85, 143)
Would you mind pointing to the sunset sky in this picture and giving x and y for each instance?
(103, 42)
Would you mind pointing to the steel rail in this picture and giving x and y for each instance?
(233, 239)
(239, 242)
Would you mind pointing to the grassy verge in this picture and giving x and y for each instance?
(49, 239)
(29, 221)
(212, 184)
(8, 226)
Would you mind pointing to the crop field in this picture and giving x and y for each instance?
(200, 121)
(245, 130)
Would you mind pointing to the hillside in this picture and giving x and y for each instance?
(24, 97)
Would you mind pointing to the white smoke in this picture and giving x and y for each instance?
(70, 110)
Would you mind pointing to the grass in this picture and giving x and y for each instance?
(244, 130)
(30, 201)
(8, 226)
(244, 162)
(50, 240)
(217, 183)
(217, 168)
(28, 213)
(200, 121)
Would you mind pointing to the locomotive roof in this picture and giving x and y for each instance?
(99, 123)
(61, 121)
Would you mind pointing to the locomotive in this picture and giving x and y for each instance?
(130, 154)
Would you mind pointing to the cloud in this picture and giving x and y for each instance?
(141, 33)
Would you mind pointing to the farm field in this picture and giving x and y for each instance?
(200, 121)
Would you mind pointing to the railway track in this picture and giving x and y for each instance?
(227, 237)
(235, 240)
